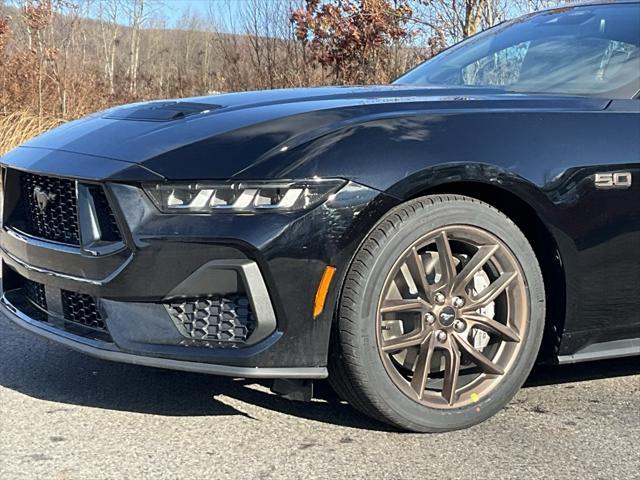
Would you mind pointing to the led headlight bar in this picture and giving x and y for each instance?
(202, 197)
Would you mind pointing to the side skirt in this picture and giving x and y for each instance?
(603, 351)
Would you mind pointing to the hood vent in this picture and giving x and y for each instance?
(160, 111)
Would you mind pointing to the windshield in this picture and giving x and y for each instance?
(589, 50)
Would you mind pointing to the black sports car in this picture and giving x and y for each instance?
(419, 244)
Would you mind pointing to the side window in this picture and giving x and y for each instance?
(500, 68)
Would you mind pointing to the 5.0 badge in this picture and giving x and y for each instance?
(605, 181)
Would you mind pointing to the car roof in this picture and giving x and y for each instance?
(599, 2)
(587, 3)
(578, 4)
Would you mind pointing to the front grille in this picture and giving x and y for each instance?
(214, 319)
(34, 291)
(82, 309)
(49, 208)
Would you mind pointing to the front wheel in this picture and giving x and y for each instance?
(441, 316)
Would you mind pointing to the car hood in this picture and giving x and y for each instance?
(222, 136)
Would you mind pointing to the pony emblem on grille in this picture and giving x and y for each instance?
(42, 198)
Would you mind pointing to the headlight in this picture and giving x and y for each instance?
(243, 197)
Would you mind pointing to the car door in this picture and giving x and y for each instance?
(601, 205)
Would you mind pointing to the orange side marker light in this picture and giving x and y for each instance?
(323, 289)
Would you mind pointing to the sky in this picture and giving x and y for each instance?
(227, 14)
(223, 9)
(175, 8)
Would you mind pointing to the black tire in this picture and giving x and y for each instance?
(356, 369)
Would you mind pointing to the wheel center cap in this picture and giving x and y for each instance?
(447, 316)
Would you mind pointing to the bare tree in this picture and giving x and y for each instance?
(37, 16)
(62, 38)
(5, 32)
(108, 12)
(59, 61)
(138, 12)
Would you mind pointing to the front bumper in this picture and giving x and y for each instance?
(109, 351)
(275, 259)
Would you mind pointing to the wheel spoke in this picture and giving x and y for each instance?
(410, 358)
(492, 326)
(423, 366)
(452, 370)
(473, 266)
(402, 305)
(451, 316)
(479, 358)
(411, 339)
(446, 260)
(492, 292)
(418, 274)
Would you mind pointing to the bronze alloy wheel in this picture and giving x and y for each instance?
(451, 316)
(441, 315)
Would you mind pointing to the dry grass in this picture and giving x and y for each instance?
(17, 128)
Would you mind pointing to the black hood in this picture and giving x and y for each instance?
(224, 135)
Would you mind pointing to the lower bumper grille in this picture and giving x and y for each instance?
(74, 312)
(214, 319)
(34, 291)
(82, 309)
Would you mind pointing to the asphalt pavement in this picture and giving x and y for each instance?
(67, 416)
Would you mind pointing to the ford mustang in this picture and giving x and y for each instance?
(421, 244)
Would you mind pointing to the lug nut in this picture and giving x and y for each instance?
(459, 325)
(430, 318)
(458, 302)
(439, 298)
(441, 336)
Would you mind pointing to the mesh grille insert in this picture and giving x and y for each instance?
(71, 312)
(82, 309)
(34, 291)
(214, 319)
(49, 208)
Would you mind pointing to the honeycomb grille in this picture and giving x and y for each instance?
(82, 309)
(49, 207)
(215, 319)
(34, 291)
